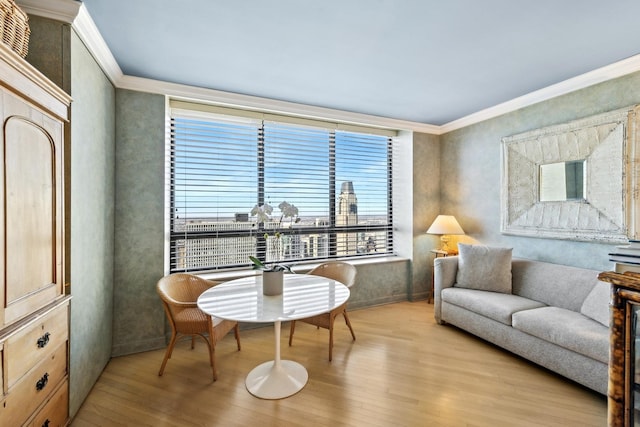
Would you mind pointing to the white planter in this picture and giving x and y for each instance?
(272, 282)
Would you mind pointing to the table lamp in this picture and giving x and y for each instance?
(445, 225)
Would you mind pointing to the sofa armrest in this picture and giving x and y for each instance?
(445, 270)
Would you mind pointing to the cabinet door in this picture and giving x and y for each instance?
(634, 376)
(32, 177)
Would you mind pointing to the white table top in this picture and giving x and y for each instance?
(303, 295)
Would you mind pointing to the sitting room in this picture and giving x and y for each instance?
(473, 163)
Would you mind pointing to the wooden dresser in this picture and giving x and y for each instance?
(34, 311)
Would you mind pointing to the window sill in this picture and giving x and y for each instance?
(222, 276)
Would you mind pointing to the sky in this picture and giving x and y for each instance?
(216, 170)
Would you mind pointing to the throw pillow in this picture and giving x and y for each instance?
(596, 304)
(484, 268)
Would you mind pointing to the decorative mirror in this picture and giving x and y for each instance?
(562, 181)
(577, 180)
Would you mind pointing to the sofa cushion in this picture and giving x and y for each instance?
(596, 304)
(494, 305)
(566, 328)
(484, 268)
(553, 284)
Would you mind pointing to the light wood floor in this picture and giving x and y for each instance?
(403, 370)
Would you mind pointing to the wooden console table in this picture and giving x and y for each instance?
(624, 376)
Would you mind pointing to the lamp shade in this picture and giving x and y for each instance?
(445, 224)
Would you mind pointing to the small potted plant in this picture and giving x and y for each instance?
(272, 276)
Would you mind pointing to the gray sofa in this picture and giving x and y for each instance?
(556, 316)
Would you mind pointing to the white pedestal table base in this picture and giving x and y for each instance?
(276, 379)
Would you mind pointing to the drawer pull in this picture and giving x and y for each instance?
(43, 340)
(46, 423)
(42, 382)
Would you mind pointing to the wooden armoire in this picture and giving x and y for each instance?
(34, 310)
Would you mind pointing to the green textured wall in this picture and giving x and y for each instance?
(92, 221)
(470, 178)
(426, 207)
(139, 233)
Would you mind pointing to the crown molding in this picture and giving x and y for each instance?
(60, 10)
(75, 12)
(88, 32)
(609, 72)
(235, 100)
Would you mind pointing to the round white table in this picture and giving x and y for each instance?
(303, 296)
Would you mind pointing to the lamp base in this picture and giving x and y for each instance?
(445, 247)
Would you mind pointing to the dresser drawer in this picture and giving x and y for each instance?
(55, 413)
(35, 341)
(34, 388)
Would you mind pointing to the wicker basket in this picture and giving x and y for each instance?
(15, 27)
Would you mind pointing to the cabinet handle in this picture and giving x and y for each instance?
(43, 340)
(46, 423)
(42, 382)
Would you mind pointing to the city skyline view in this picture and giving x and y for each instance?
(279, 236)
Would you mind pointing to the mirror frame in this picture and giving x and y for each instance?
(609, 145)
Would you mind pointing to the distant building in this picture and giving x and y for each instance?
(210, 252)
(347, 214)
(242, 217)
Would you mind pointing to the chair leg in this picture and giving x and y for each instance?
(346, 319)
(331, 320)
(167, 354)
(293, 327)
(236, 332)
(211, 342)
(212, 358)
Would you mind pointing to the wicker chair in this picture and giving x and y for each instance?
(179, 293)
(344, 273)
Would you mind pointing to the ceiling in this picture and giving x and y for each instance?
(424, 61)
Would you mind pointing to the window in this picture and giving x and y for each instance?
(277, 188)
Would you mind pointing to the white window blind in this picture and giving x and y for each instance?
(285, 192)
